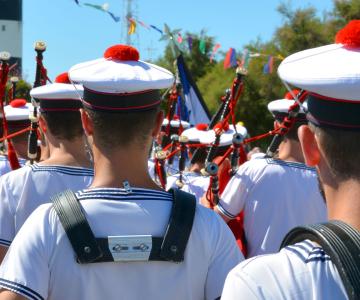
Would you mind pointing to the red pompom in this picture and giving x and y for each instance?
(202, 127)
(63, 78)
(176, 118)
(16, 103)
(288, 95)
(350, 35)
(221, 125)
(122, 52)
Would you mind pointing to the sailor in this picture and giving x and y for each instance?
(23, 190)
(125, 210)
(275, 194)
(329, 142)
(192, 180)
(17, 116)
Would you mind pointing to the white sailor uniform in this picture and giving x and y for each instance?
(23, 190)
(194, 183)
(5, 165)
(276, 196)
(299, 272)
(41, 263)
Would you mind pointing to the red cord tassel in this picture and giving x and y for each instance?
(12, 157)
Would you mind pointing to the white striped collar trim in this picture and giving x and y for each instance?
(70, 170)
(291, 164)
(122, 194)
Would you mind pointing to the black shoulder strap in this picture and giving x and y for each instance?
(180, 224)
(76, 227)
(341, 242)
(89, 249)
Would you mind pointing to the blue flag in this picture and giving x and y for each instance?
(197, 111)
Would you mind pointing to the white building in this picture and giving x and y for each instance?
(11, 29)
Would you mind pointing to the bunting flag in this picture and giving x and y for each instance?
(143, 24)
(157, 29)
(190, 42)
(245, 59)
(268, 67)
(202, 46)
(103, 8)
(179, 38)
(197, 110)
(215, 49)
(115, 18)
(132, 26)
(230, 59)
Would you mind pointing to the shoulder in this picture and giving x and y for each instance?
(293, 273)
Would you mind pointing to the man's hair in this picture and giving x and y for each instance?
(292, 133)
(64, 125)
(113, 129)
(341, 148)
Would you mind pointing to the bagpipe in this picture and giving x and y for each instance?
(40, 79)
(4, 73)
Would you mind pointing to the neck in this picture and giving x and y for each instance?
(196, 167)
(290, 150)
(343, 202)
(114, 167)
(68, 153)
(21, 149)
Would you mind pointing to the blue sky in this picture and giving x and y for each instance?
(76, 34)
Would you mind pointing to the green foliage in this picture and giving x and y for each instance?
(301, 29)
(22, 91)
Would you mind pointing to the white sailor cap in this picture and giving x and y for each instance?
(17, 113)
(331, 74)
(226, 137)
(194, 134)
(120, 81)
(58, 96)
(280, 108)
(176, 123)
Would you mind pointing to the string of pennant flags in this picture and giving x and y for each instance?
(231, 57)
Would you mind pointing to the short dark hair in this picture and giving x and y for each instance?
(113, 129)
(341, 148)
(292, 133)
(64, 125)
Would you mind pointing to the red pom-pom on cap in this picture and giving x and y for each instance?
(176, 118)
(222, 126)
(288, 95)
(63, 78)
(350, 35)
(122, 52)
(202, 127)
(16, 103)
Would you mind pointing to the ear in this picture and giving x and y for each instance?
(86, 123)
(309, 145)
(158, 123)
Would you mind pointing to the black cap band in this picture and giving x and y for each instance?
(144, 100)
(54, 105)
(333, 113)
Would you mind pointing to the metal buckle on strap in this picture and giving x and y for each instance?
(130, 247)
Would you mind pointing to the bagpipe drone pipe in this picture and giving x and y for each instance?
(4, 73)
(40, 79)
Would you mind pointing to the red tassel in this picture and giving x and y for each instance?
(12, 157)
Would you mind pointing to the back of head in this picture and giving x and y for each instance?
(333, 101)
(59, 106)
(121, 96)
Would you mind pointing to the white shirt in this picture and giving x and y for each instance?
(194, 183)
(41, 264)
(23, 190)
(302, 271)
(5, 165)
(276, 196)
